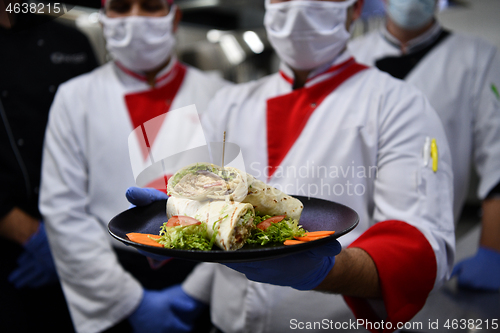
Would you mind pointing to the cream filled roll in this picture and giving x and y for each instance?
(232, 221)
(268, 200)
(203, 181)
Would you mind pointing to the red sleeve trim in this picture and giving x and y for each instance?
(407, 269)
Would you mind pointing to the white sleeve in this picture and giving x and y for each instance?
(98, 291)
(487, 122)
(199, 283)
(406, 188)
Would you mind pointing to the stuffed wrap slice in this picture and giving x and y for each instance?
(231, 222)
(268, 200)
(203, 181)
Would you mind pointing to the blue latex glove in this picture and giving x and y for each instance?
(141, 197)
(480, 272)
(168, 310)
(36, 266)
(302, 271)
(144, 196)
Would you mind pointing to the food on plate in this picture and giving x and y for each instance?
(146, 239)
(230, 221)
(195, 237)
(266, 223)
(228, 208)
(293, 242)
(203, 181)
(274, 229)
(268, 200)
(186, 237)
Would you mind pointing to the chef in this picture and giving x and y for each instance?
(461, 78)
(328, 127)
(86, 162)
(38, 53)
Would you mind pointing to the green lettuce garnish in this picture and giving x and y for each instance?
(191, 237)
(195, 237)
(248, 215)
(276, 232)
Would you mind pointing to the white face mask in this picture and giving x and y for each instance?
(140, 43)
(411, 14)
(307, 34)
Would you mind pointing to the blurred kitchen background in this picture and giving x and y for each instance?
(227, 38)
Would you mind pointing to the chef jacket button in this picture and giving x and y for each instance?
(20, 142)
(5, 93)
(52, 88)
(40, 42)
(313, 105)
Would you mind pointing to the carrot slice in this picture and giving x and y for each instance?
(314, 235)
(292, 242)
(144, 239)
(319, 233)
(309, 238)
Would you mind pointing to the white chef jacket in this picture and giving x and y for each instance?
(371, 123)
(458, 77)
(86, 171)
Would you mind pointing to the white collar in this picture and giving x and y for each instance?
(315, 75)
(415, 44)
(138, 80)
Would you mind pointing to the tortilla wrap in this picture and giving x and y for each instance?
(203, 181)
(233, 221)
(268, 200)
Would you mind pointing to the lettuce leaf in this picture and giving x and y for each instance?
(191, 237)
(195, 237)
(276, 232)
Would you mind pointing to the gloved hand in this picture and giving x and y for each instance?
(168, 310)
(141, 197)
(302, 271)
(36, 266)
(480, 272)
(144, 196)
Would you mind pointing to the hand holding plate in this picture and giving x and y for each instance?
(302, 271)
(144, 196)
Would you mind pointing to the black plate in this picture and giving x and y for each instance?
(317, 215)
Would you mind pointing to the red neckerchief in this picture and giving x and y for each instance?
(287, 115)
(146, 105)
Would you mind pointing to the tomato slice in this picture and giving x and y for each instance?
(177, 220)
(266, 223)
